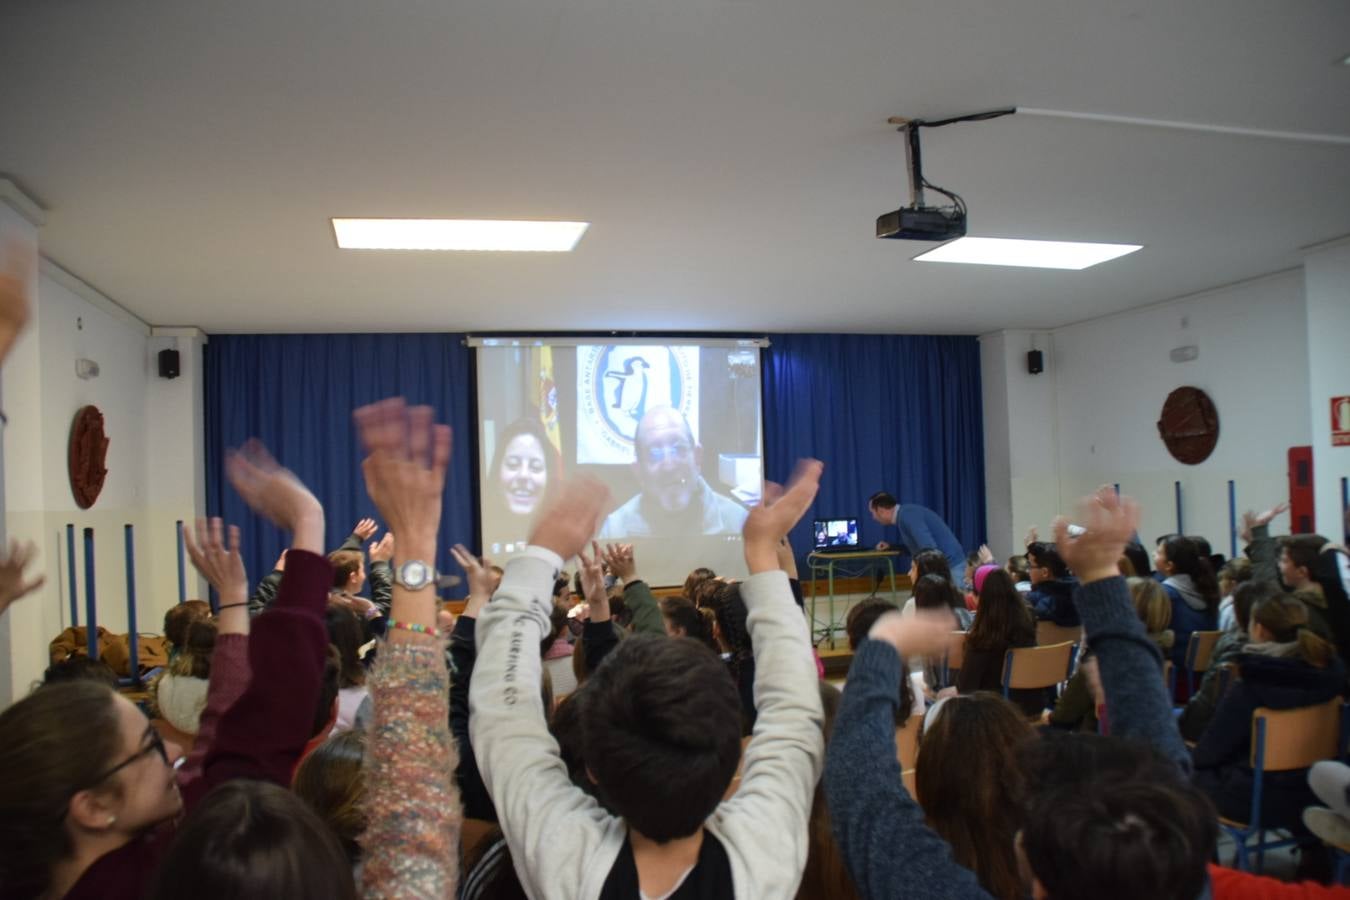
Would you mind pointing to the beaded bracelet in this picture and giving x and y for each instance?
(416, 627)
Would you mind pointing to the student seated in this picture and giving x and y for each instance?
(1195, 718)
(1002, 623)
(661, 735)
(1194, 592)
(1051, 594)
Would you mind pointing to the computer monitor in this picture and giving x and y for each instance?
(835, 534)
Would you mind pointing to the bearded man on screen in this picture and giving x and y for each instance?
(674, 498)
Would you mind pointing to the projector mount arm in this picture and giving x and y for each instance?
(914, 158)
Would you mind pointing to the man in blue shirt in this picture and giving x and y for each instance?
(920, 528)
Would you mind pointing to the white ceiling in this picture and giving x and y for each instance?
(732, 155)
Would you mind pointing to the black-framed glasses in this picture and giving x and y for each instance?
(156, 745)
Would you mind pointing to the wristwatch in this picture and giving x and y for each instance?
(415, 575)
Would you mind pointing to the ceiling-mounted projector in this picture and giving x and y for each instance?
(918, 221)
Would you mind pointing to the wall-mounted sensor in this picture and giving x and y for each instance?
(86, 369)
(1185, 354)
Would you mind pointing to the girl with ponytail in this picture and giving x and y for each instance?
(1287, 665)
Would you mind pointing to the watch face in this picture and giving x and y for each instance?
(414, 574)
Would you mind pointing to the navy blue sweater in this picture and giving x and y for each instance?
(880, 830)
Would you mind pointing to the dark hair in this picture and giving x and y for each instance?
(973, 807)
(859, 621)
(936, 592)
(535, 429)
(1113, 819)
(194, 660)
(825, 876)
(695, 578)
(253, 839)
(881, 500)
(557, 624)
(1018, 566)
(1286, 618)
(332, 782)
(662, 734)
(54, 743)
(80, 668)
(1202, 545)
(1249, 594)
(344, 633)
(729, 610)
(345, 564)
(180, 616)
(1303, 549)
(1139, 558)
(1186, 559)
(1003, 618)
(696, 623)
(324, 709)
(932, 562)
(1039, 553)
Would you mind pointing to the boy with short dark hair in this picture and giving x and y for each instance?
(1051, 594)
(661, 735)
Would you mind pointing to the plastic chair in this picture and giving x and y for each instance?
(1199, 652)
(1282, 740)
(1048, 633)
(1037, 667)
(907, 741)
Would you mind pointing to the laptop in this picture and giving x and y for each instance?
(836, 536)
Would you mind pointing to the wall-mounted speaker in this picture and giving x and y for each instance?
(168, 364)
(1035, 362)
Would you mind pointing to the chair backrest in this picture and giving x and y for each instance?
(907, 741)
(1295, 738)
(1037, 667)
(1201, 649)
(1048, 632)
(1169, 673)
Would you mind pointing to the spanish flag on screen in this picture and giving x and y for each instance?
(547, 395)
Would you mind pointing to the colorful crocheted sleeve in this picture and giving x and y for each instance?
(411, 844)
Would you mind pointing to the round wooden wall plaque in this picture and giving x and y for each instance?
(88, 451)
(1189, 425)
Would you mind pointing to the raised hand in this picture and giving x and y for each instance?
(572, 517)
(215, 555)
(1251, 520)
(1109, 521)
(383, 549)
(365, 529)
(926, 633)
(13, 583)
(593, 583)
(769, 522)
(276, 494)
(480, 579)
(986, 555)
(16, 274)
(1031, 537)
(619, 558)
(405, 469)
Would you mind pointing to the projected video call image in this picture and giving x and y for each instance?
(672, 429)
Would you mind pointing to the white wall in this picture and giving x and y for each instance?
(154, 463)
(1091, 418)
(1328, 304)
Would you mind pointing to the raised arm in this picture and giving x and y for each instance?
(1130, 665)
(880, 830)
(637, 594)
(14, 584)
(263, 734)
(463, 651)
(782, 763)
(411, 842)
(220, 564)
(536, 802)
(382, 573)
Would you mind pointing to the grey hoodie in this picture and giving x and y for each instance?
(1185, 586)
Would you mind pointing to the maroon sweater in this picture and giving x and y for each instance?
(261, 736)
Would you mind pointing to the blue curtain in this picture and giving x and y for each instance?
(297, 392)
(898, 413)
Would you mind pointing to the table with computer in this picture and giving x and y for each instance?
(838, 550)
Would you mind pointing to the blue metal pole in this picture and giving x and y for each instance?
(70, 575)
(90, 602)
(1181, 528)
(1345, 507)
(182, 569)
(1232, 520)
(132, 638)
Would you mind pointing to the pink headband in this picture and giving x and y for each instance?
(981, 574)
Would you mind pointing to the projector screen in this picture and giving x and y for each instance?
(672, 428)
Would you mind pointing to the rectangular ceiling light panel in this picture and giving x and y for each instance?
(1030, 254)
(457, 234)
